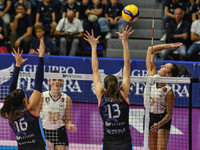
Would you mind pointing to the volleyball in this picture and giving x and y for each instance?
(130, 13)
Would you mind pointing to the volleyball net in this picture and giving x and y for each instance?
(85, 112)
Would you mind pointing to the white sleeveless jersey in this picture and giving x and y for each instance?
(53, 111)
(157, 102)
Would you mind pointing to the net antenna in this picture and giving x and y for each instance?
(147, 119)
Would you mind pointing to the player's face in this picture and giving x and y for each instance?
(39, 33)
(165, 70)
(56, 84)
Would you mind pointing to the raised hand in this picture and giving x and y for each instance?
(41, 49)
(90, 38)
(125, 33)
(176, 45)
(18, 57)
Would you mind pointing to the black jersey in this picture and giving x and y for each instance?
(115, 116)
(29, 132)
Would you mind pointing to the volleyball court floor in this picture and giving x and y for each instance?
(90, 132)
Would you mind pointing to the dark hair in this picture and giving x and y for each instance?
(12, 104)
(111, 84)
(20, 4)
(55, 71)
(179, 70)
(39, 27)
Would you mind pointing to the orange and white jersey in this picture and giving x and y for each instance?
(157, 99)
(53, 111)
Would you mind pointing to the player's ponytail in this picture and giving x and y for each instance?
(111, 85)
(13, 105)
(179, 70)
(7, 106)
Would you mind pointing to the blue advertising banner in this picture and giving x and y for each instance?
(82, 91)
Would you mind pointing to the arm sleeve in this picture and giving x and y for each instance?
(14, 78)
(39, 77)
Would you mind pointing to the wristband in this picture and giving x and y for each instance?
(21, 38)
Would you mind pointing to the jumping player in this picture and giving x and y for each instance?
(162, 99)
(113, 102)
(56, 115)
(23, 114)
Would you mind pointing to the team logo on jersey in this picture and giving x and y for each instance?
(164, 89)
(62, 99)
(47, 99)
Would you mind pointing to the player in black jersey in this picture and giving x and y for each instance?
(113, 102)
(23, 115)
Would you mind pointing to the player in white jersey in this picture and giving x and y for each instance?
(56, 116)
(162, 99)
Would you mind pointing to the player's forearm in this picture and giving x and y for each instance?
(68, 123)
(39, 77)
(165, 120)
(95, 63)
(126, 53)
(14, 24)
(160, 47)
(13, 82)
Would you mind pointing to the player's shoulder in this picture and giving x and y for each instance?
(46, 93)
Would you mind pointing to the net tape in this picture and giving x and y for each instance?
(89, 77)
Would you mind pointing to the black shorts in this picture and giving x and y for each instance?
(31, 148)
(57, 137)
(124, 146)
(155, 118)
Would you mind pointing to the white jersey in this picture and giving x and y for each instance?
(53, 111)
(157, 102)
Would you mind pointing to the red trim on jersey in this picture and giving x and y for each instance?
(31, 113)
(125, 100)
(101, 99)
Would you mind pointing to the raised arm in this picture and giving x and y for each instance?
(157, 48)
(125, 86)
(95, 64)
(19, 61)
(34, 100)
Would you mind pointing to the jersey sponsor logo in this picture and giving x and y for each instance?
(24, 137)
(107, 124)
(27, 142)
(116, 131)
